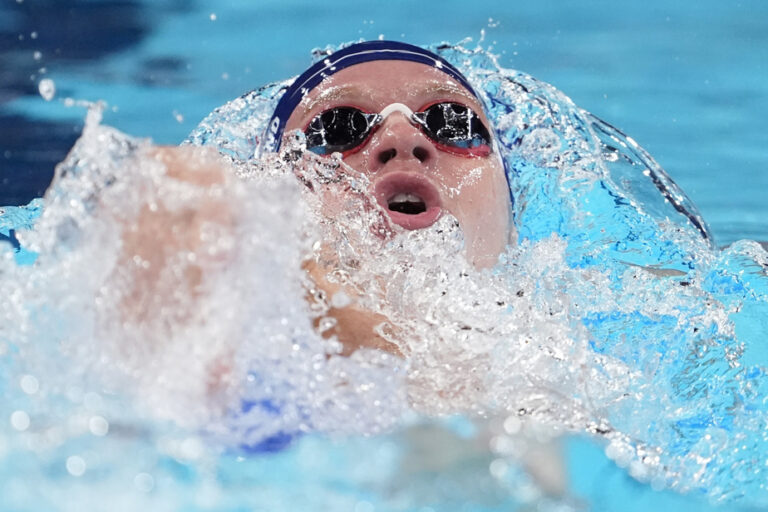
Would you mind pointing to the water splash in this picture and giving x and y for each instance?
(613, 316)
(46, 87)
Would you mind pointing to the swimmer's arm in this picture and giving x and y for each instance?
(161, 236)
(164, 250)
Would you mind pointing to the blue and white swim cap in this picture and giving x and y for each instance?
(357, 53)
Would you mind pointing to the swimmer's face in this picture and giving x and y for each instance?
(412, 177)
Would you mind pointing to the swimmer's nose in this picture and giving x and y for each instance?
(399, 139)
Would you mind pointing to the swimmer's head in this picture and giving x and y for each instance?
(413, 124)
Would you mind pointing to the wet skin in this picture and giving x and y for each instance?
(398, 158)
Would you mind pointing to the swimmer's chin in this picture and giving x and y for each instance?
(483, 251)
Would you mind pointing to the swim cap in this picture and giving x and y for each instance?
(355, 54)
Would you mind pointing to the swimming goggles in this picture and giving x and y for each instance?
(451, 126)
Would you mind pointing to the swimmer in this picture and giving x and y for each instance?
(414, 127)
(403, 117)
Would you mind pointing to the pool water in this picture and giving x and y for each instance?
(688, 82)
(648, 70)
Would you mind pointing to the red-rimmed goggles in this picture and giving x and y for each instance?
(453, 127)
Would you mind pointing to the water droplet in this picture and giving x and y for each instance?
(498, 468)
(512, 425)
(213, 16)
(33, 35)
(225, 76)
(178, 116)
(20, 420)
(98, 426)
(47, 88)
(37, 55)
(75, 465)
(29, 384)
(144, 482)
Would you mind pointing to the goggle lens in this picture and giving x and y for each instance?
(454, 125)
(338, 129)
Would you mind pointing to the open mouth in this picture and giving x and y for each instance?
(407, 203)
(409, 198)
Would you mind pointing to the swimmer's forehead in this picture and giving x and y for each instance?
(329, 93)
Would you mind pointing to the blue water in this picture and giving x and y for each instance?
(688, 82)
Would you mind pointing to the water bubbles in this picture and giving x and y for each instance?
(498, 468)
(618, 452)
(20, 420)
(75, 465)
(98, 426)
(178, 116)
(212, 16)
(29, 384)
(47, 89)
(37, 55)
(512, 425)
(542, 146)
(33, 35)
(144, 482)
